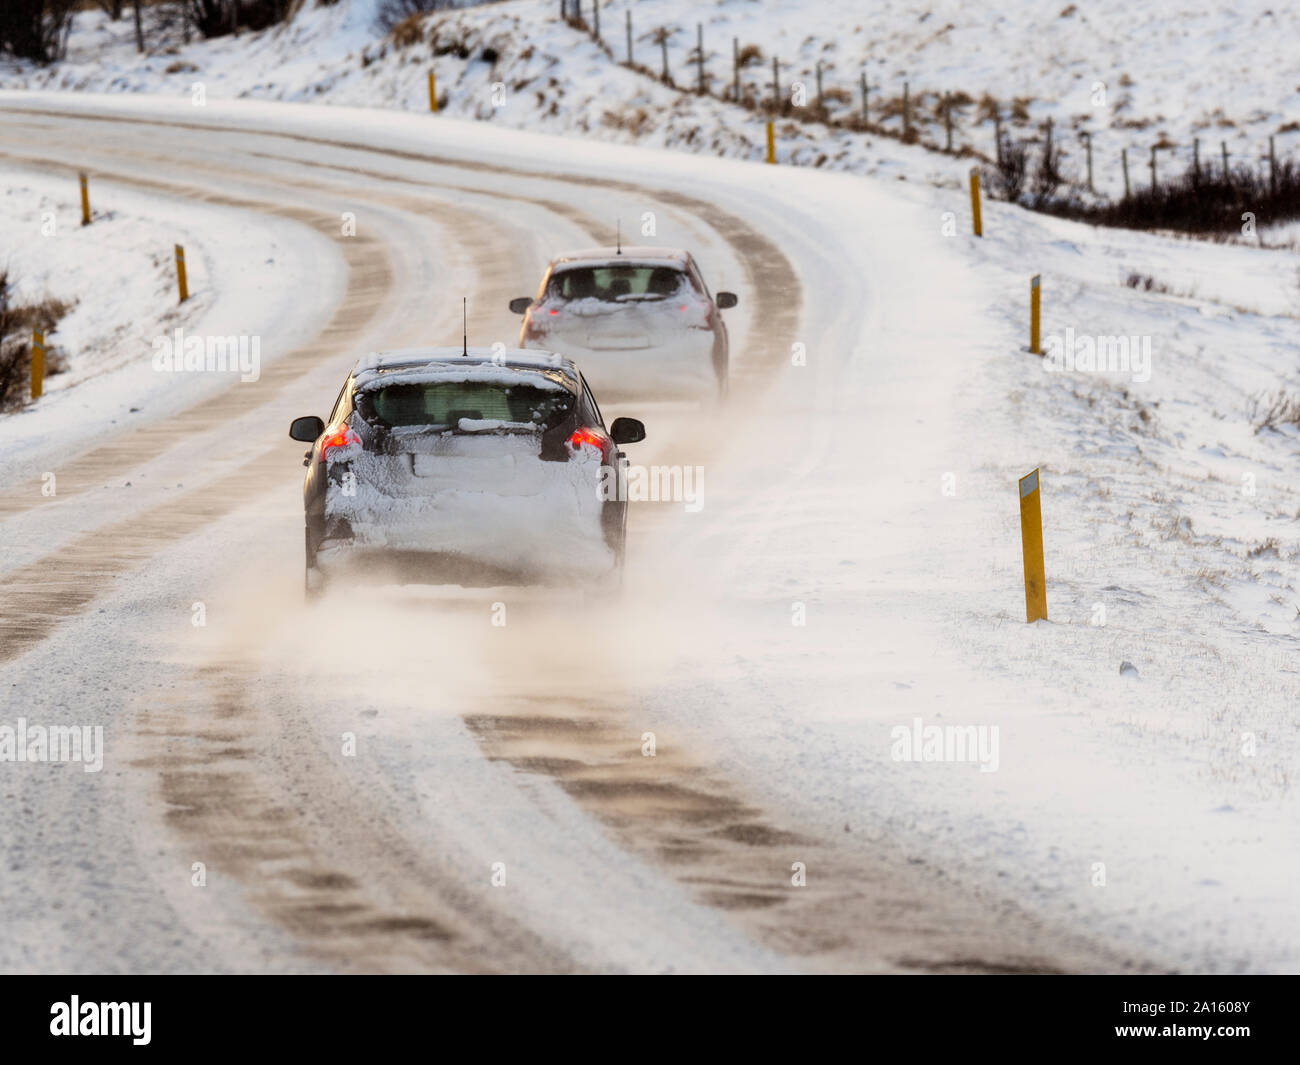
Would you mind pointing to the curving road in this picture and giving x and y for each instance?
(478, 753)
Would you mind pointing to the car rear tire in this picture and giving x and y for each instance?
(313, 579)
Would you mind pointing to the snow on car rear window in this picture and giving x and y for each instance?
(616, 283)
(444, 404)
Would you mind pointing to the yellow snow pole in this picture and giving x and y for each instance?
(38, 363)
(1031, 538)
(771, 143)
(1035, 312)
(976, 221)
(85, 201)
(433, 92)
(180, 274)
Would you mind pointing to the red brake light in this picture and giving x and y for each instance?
(552, 311)
(339, 437)
(592, 438)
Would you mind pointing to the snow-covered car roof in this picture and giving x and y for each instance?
(413, 365)
(631, 254)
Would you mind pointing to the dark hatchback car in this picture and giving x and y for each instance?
(479, 468)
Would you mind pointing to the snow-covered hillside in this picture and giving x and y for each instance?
(1132, 77)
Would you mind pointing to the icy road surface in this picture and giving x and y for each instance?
(393, 780)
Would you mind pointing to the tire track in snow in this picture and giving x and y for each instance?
(766, 265)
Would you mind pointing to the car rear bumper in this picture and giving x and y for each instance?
(678, 367)
(475, 543)
(382, 565)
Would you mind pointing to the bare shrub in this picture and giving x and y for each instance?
(1270, 410)
(408, 32)
(1047, 179)
(1012, 171)
(1145, 283)
(35, 29)
(392, 13)
(16, 325)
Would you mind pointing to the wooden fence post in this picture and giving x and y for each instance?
(699, 57)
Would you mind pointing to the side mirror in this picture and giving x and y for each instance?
(626, 431)
(520, 305)
(306, 429)
(726, 300)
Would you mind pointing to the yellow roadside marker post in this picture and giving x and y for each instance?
(180, 274)
(1031, 538)
(38, 363)
(976, 221)
(85, 201)
(1035, 309)
(433, 92)
(771, 143)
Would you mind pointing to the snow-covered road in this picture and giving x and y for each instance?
(390, 781)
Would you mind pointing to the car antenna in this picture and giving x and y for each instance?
(618, 223)
(464, 321)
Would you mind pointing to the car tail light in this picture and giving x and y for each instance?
(702, 316)
(340, 436)
(593, 438)
(533, 330)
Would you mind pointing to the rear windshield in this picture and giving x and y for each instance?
(616, 284)
(443, 405)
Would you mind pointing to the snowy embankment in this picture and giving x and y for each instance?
(55, 258)
(1131, 78)
(1157, 808)
(118, 278)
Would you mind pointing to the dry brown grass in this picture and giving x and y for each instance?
(16, 325)
(408, 32)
